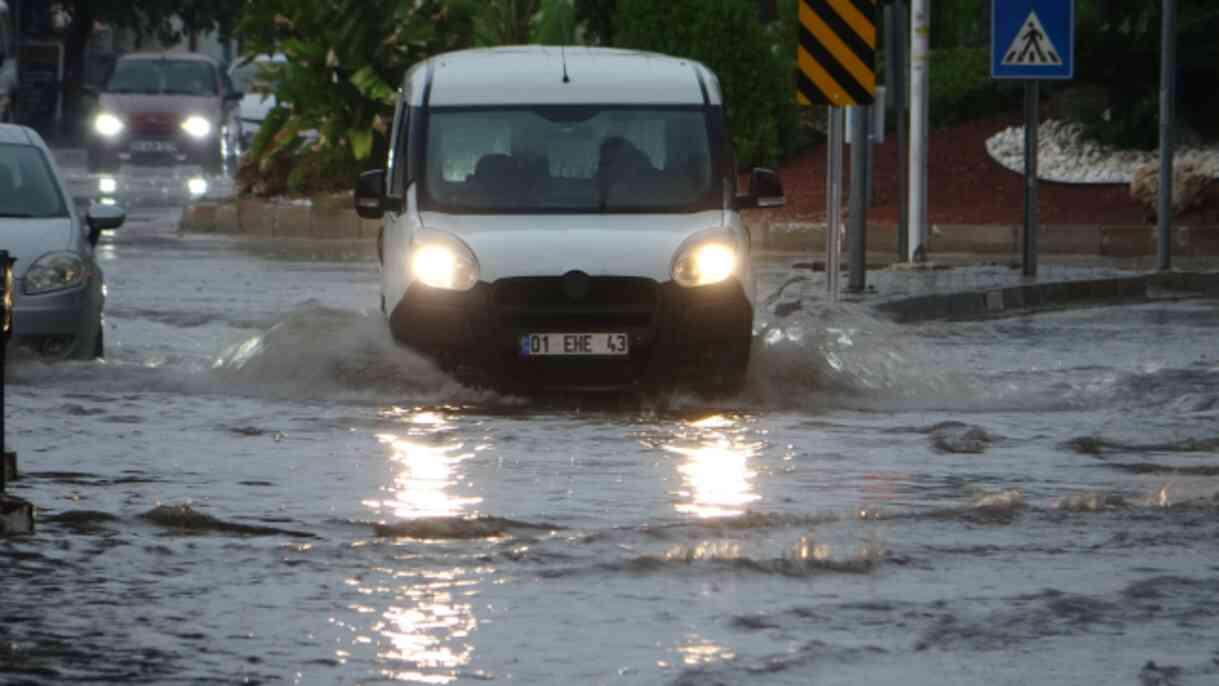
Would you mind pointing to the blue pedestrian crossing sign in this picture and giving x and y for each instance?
(1032, 39)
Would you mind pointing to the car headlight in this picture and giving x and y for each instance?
(197, 126)
(54, 272)
(107, 125)
(444, 263)
(704, 263)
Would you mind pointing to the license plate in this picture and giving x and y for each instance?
(153, 146)
(575, 344)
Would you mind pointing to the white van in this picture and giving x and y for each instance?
(567, 218)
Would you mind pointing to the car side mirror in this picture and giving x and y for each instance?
(370, 194)
(765, 190)
(103, 218)
(89, 91)
(234, 95)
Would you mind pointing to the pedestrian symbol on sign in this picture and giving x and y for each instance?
(1032, 46)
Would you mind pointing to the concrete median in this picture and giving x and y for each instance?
(321, 217)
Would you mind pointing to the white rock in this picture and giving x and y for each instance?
(1065, 156)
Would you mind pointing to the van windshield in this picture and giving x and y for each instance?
(569, 159)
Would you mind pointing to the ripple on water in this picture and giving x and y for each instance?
(456, 528)
(184, 519)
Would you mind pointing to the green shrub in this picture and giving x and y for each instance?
(1133, 125)
(962, 88)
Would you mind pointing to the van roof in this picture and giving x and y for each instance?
(533, 75)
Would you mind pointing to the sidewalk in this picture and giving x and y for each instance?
(967, 286)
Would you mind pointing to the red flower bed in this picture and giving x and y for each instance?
(965, 186)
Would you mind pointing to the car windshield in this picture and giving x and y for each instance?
(163, 77)
(27, 184)
(569, 159)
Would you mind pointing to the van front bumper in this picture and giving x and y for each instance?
(676, 334)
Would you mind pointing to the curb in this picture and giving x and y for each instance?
(320, 217)
(1001, 302)
(1004, 239)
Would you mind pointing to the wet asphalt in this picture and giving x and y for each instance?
(259, 486)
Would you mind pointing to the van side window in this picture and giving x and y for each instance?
(398, 152)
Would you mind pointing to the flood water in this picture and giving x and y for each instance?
(259, 486)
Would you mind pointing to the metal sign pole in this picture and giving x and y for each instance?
(834, 202)
(1031, 207)
(1032, 40)
(1168, 101)
(920, 55)
(896, 50)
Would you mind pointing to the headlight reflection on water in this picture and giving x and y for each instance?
(197, 186)
(423, 634)
(422, 487)
(424, 631)
(431, 631)
(718, 481)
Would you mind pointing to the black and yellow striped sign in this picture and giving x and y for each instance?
(837, 52)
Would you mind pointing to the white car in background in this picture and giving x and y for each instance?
(567, 219)
(259, 99)
(57, 289)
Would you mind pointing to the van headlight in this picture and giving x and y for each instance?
(196, 126)
(443, 263)
(54, 272)
(705, 263)
(107, 125)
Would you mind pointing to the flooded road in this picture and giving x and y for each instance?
(259, 486)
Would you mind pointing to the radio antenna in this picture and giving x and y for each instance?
(563, 46)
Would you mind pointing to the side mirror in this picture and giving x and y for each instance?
(103, 218)
(89, 91)
(765, 190)
(234, 95)
(370, 194)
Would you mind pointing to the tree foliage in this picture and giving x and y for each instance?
(1119, 51)
(597, 19)
(754, 71)
(506, 22)
(345, 62)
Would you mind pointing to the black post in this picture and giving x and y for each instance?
(1031, 228)
(6, 298)
(1168, 101)
(857, 226)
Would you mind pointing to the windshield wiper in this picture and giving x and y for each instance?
(15, 215)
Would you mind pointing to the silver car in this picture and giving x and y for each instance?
(165, 107)
(57, 287)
